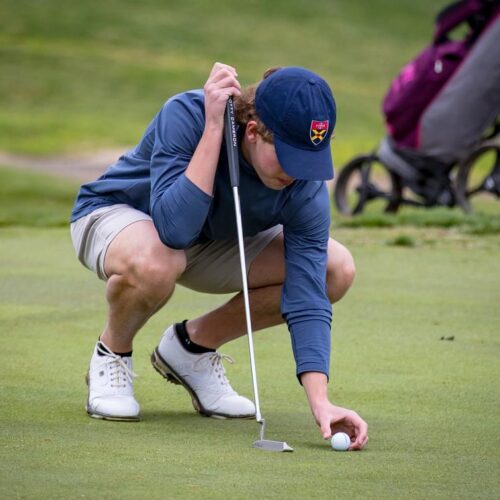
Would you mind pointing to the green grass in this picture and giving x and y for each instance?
(34, 200)
(402, 240)
(81, 75)
(485, 220)
(85, 75)
(432, 405)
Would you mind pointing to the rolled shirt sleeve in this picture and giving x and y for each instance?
(178, 207)
(305, 305)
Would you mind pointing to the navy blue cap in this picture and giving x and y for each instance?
(298, 107)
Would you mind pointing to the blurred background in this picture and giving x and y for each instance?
(81, 76)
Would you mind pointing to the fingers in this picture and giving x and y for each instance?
(223, 78)
(360, 433)
(331, 424)
(359, 443)
(326, 429)
(221, 84)
(218, 66)
(226, 86)
(349, 422)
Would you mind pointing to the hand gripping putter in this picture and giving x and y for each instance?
(233, 162)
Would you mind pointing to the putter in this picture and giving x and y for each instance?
(233, 162)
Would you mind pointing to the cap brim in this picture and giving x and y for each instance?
(305, 164)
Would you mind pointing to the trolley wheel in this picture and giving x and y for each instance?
(478, 173)
(366, 179)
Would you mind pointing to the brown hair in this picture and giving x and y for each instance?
(245, 108)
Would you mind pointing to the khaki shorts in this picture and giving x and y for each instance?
(212, 267)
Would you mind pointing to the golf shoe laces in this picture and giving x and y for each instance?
(119, 371)
(216, 367)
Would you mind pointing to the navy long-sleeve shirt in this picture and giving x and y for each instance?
(151, 178)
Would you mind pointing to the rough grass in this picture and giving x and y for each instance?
(82, 75)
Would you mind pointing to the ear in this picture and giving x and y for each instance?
(251, 131)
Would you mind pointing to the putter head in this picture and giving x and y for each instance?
(266, 444)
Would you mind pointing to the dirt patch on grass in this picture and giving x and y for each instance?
(83, 167)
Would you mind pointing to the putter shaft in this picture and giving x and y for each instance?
(246, 301)
(232, 154)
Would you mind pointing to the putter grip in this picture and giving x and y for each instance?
(231, 143)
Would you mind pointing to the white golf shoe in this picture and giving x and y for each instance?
(109, 379)
(203, 376)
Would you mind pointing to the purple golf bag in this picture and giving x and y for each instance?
(442, 116)
(419, 104)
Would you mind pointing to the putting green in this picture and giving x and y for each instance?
(432, 405)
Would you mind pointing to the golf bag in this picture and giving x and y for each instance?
(441, 111)
(442, 104)
(422, 84)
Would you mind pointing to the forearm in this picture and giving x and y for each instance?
(184, 162)
(221, 84)
(179, 214)
(311, 340)
(183, 208)
(203, 165)
(305, 304)
(316, 387)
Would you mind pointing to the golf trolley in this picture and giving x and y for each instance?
(391, 178)
(442, 118)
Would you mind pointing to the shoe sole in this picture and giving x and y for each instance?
(162, 367)
(102, 416)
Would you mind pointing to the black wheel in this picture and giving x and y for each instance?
(477, 175)
(365, 179)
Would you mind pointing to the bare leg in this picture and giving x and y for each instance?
(142, 274)
(265, 280)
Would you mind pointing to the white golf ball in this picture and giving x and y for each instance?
(340, 441)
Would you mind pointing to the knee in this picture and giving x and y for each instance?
(341, 271)
(156, 271)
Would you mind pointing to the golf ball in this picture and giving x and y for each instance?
(340, 441)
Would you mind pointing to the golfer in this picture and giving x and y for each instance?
(164, 214)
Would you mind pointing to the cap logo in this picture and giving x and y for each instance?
(319, 130)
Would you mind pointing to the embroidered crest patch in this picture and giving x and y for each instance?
(318, 131)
